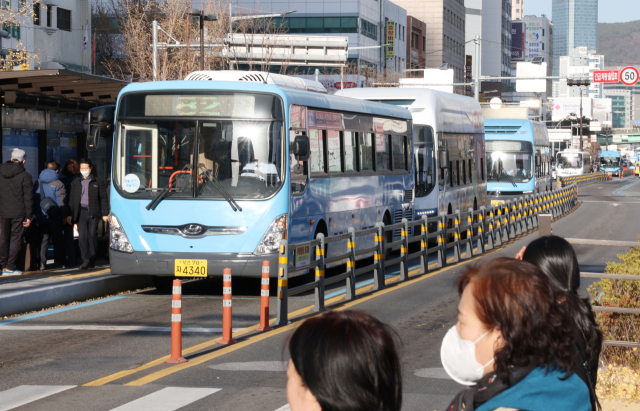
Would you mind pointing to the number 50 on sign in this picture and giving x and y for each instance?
(629, 76)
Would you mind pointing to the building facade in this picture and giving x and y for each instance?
(575, 25)
(445, 20)
(496, 38)
(579, 64)
(366, 23)
(517, 9)
(621, 107)
(416, 45)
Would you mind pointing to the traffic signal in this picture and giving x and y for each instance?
(578, 82)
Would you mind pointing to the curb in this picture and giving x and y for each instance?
(65, 292)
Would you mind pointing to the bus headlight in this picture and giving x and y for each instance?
(118, 240)
(271, 240)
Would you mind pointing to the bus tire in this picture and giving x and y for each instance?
(163, 284)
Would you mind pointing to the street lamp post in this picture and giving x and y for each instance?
(202, 17)
(579, 83)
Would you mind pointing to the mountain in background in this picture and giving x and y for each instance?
(619, 43)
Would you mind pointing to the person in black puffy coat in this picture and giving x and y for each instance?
(88, 203)
(16, 209)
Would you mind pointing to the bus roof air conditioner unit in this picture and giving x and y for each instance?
(290, 82)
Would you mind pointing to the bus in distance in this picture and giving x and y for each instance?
(518, 159)
(446, 127)
(610, 162)
(572, 162)
(212, 172)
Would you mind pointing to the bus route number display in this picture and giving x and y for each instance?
(504, 146)
(190, 268)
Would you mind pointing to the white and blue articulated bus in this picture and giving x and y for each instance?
(448, 147)
(518, 158)
(212, 172)
(610, 162)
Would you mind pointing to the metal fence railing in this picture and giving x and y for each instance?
(583, 179)
(486, 228)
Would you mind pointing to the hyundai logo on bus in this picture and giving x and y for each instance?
(192, 229)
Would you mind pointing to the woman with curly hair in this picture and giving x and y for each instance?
(513, 343)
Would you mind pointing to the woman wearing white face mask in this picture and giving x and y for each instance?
(512, 344)
(88, 203)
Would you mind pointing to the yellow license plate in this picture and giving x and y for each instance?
(497, 202)
(190, 268)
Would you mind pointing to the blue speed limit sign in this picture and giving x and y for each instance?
(629, 76)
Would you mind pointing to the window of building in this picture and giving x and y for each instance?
(64, 19)
(49, 10)
(36, 14)
(424, 43)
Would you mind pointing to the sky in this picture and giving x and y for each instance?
(609, 11)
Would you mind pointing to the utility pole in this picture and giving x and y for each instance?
(477, 68)
(155, 50)
(579, 83)
(201, 40)
(580, 118)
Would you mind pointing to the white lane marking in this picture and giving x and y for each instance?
(167, 399)
(439, 373)
(24, 394)
(284, 408)
(251, 366)
(107, 328)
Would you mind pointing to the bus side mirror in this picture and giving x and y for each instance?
(443, 158)
(99, 124)
(300, 148)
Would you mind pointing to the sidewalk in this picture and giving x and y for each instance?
(618, 405)
(36, 290)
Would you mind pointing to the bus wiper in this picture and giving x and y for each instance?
(165, 192)
(216, 183)
(508, 177)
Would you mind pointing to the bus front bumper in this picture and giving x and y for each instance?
(163, 264)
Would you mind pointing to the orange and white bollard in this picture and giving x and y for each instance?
(226, 308)
(264, 299)
(176, 324)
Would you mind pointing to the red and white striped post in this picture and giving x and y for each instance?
(264, 299)
(176, 324)
(226, 308)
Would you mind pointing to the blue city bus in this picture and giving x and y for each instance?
(213, 171)
(518, 159)
(610, 162)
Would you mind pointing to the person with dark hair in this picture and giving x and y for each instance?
(88, 203)
(512, 344)
(16, 209)
(50, 197)
(343, 361)
(71, 172)
(557, 259)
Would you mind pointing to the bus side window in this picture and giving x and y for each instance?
(316, 157)
(334, 151)
(399, 153)
(382, 152)
(350, 151)
(366, 151)
(299, 170)
(464, 172)
(481, 168)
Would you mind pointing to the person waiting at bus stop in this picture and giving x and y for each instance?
(513, 344)
(88, 203)
(50, 212)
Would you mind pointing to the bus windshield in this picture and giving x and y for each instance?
(513, 158)
(193, 156)
(610, 161)
(566, 160)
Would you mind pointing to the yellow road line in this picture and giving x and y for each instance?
(207, 344)
(207, 357)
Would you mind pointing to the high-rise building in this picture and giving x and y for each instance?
(445, 20)
(491, 20)
(575, 25)
(517, 9)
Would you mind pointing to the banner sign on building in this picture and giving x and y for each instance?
(535, 41)
(517, 40)
(468, 78)
(391, 39)
(563, 107)
(606, 76)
